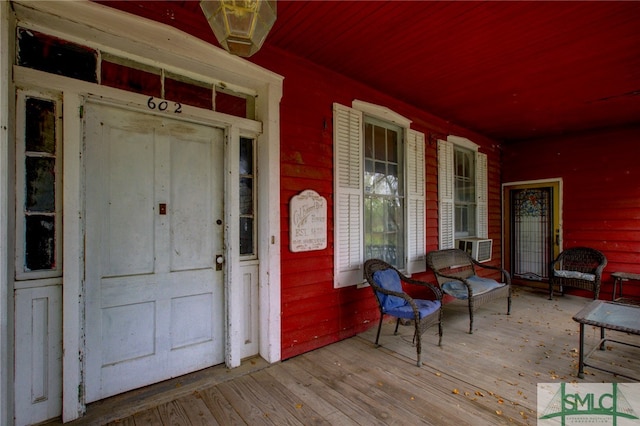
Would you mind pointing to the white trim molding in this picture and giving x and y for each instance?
(463, 142)
(381, 112)
(151, 43)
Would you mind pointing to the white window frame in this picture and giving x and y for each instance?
(21, 156)
(348, 133)
(446, 190)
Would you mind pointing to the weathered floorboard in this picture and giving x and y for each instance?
(489, 377)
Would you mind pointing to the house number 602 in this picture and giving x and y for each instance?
(164, 105)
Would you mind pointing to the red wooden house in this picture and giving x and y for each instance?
(148, 177)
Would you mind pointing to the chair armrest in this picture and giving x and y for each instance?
(401, 295)
(505, 273)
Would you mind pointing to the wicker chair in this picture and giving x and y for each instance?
(578, 267)
(386, 283)
(455, 271)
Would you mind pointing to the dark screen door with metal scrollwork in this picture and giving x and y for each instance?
(531, 232)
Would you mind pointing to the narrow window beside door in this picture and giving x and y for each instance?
(38, 177)
(247, 198)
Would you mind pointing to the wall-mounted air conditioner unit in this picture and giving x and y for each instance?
(478, 248)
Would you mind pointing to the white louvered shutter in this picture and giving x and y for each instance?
(482, 192)
(416, 235)
(446, 195)
(348, 193)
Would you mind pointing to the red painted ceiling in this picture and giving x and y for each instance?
(508, 70)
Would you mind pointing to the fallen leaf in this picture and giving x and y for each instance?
(455, 391)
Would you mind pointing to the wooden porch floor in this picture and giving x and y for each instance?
(486, 378)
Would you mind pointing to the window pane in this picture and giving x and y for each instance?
(50, 54)
(40, 126)
(379, 141)
(392, 179)
(392, 146)
(246, 156)
(40, 196)
(236, 104)
(40, 243)
(246, 196)
(465, 191)
(246, 235)
(368, 140)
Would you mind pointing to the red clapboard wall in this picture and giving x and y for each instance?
(601, 192)
(313, 312)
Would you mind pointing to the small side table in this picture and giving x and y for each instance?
(618, 278)
(610, 316)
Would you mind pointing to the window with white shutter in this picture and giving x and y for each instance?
(379, 192)
(462, 191)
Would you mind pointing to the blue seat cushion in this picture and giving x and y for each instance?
(389, 280)
(479, 285)
(425, 308)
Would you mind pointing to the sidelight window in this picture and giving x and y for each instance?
(38, 177)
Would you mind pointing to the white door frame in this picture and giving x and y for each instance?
(163, 46)
(6, 236)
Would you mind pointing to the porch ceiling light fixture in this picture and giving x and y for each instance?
(241, 26)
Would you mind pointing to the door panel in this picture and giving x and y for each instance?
(191, 219)
(128, 218)
(153, 201)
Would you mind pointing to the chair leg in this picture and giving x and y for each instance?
(470, 316)
(418, 339)
(509, 304)
(379, 327)
(397, 325)
(440, 333)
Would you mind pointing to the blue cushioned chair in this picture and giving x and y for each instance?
(455, 271)
(386, 283)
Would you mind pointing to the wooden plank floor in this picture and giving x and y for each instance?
(486, 378)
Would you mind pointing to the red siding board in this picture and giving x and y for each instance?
(313, 312)
(601, 190)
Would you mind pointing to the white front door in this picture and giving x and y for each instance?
(154, 211)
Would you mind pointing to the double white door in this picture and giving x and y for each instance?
(154, 229)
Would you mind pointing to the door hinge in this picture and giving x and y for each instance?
(81, 111)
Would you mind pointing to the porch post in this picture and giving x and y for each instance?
(268, 110)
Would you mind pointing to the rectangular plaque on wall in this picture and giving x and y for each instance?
(308, 222)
